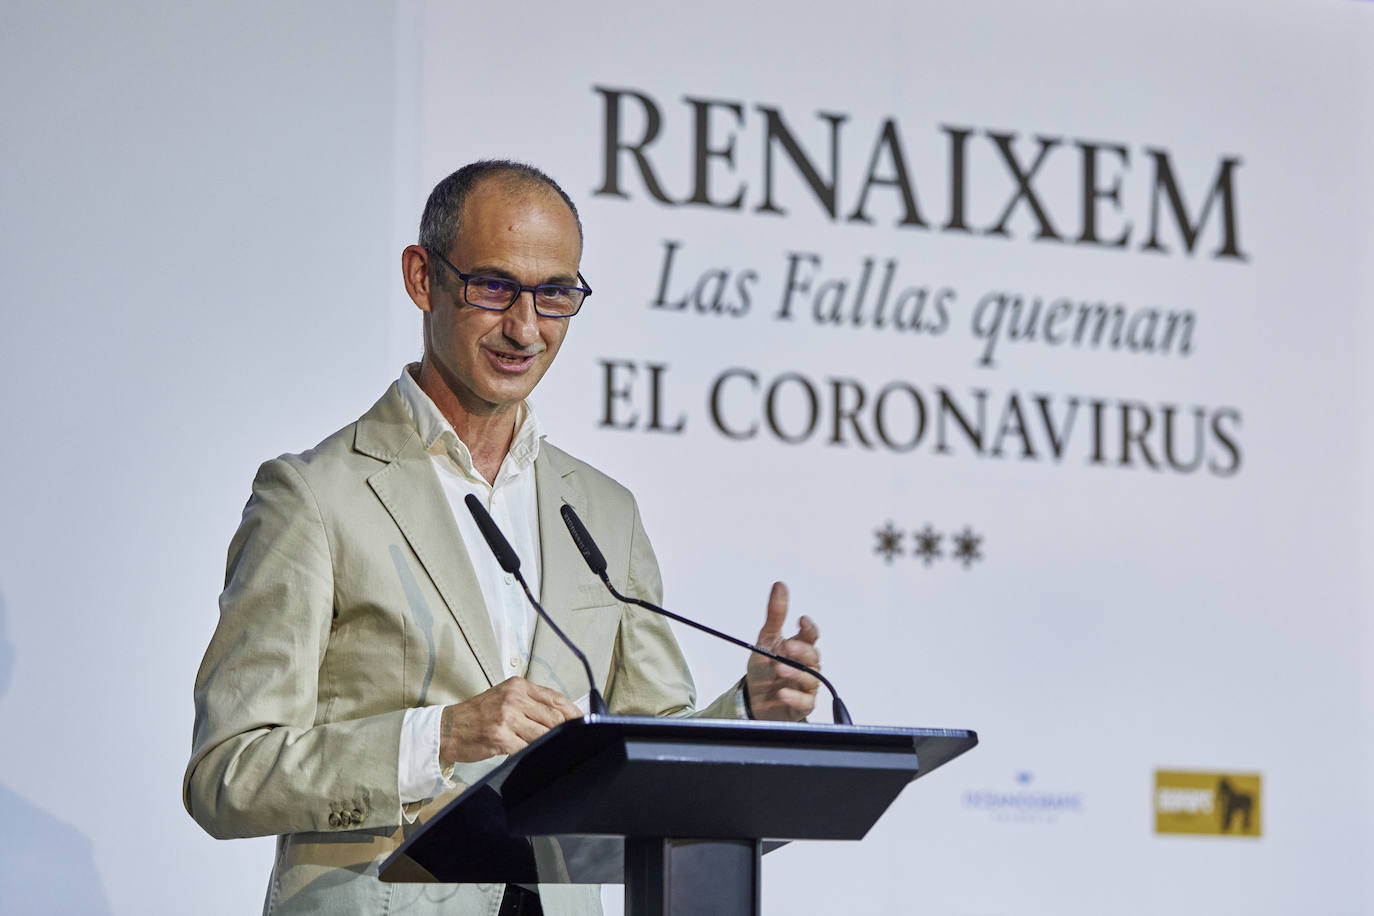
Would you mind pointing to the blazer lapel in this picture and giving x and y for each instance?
(410, 491)
(564, 581)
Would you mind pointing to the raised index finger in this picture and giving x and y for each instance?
(775, 617)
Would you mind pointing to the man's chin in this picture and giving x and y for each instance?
(506, 392)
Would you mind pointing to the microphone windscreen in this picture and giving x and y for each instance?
(505, 555)
(583, 539)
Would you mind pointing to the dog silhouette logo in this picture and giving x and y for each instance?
(1216, 804)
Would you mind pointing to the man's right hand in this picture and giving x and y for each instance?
(501, 720)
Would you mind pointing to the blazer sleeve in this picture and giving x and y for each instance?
(265, 757)
(649, 675)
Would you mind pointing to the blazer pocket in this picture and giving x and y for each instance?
(587, 596)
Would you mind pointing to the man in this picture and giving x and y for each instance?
(371, 658)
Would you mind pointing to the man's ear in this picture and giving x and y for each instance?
(415, 273)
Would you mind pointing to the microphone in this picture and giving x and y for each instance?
(596, 562)
(505, 555)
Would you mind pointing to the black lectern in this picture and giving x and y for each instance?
(680, 810)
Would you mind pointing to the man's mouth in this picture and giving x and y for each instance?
(511, 361)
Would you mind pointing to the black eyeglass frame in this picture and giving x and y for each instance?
(585, 289)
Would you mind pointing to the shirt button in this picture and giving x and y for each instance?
(510, 580)
(514, 662)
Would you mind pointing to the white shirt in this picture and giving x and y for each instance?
(512, 502)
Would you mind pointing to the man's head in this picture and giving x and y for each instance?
(442, 219)
(496, 219)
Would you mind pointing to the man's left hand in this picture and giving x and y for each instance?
(778, 691)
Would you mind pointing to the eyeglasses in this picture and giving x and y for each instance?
(496, 294)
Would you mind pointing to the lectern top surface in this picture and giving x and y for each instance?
(587, 736)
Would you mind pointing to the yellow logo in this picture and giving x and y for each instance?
(1226, 804)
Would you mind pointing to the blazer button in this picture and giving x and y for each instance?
(335, 820)
(357, 816)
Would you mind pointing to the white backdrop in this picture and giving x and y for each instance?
(202, 212)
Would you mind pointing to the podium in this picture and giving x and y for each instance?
(679, 810)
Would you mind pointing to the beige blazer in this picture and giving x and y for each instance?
(349, 597)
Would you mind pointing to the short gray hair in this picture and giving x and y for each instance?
(439, 223)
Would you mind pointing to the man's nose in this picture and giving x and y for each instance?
(521, 325)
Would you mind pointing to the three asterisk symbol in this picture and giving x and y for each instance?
(926, 546)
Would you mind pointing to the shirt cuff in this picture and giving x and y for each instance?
(420, 776)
